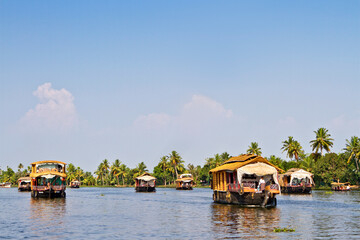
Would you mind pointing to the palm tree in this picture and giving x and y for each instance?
(353, 148)
(322, 141)
(123, 172)
(225, 156)
(218, 160)
(292, 148)
(105, 169)
(175, 160)
(115, 169)
(19, 169)
(140, 169)
(78, 173)
(164, 166)
(254, 149)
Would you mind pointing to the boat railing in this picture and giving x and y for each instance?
(40, 188)
(274, 186)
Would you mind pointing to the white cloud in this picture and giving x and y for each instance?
(204, 106)
(200, 112)
(153, 121)
(56, 109)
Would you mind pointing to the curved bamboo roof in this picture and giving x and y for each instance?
(293, 170)
(242, 160)
(338, 184)
(146, 177)
(35, 175)
(184, 179)
(24, 179)
(47, 161)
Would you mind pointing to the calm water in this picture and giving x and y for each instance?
(121, 213)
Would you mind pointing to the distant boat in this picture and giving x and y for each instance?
(24, 184)
(338, 186)
(145, 183)
(75, 184)
(48, 179)
(5, 185)
(296, 180)
(246, 180)
(185, 182)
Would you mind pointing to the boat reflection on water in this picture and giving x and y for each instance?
(45, 214)
(245, 222)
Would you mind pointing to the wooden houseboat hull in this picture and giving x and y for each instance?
(300, 190)
(145, 189)
(25, 189)
(261, 199)
(74, 186)
(185, 188)
(48, 194)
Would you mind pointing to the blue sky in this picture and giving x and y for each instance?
(82, 81)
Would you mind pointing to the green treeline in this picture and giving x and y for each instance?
(326, 167)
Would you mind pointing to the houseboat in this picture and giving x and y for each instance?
(185, 182)
(75, 184)
(246, 180)
(145, 183)
(48, 179)
(338, 186)
(296, 180)
(5, 185)
(24, 184)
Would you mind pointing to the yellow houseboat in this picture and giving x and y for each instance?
(24, 184)
(145, 183)
(185, 182)
(296, 180)
(247, 180)
(48, 179)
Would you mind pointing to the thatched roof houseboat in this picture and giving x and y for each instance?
(185, 182)
(296, 180)
(24, 184)
(247, 180)
(145, 183)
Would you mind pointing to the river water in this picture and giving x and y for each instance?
(121, 213)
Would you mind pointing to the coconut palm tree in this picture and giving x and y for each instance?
(353, 149)
(164, 164)
(123, 172)
(225, 156)
(115, 169)
(78, 173)
(322, 141)
(140, 169)
(254, 149)
(105, 169)
(176, 161)
(292, 148)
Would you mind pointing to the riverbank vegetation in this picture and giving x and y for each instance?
(328, 167)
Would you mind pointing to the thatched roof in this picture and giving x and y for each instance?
(24, 179)
(145, 177)
(240, 161)
(294, 170)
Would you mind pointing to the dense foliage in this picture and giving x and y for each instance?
(343, 167)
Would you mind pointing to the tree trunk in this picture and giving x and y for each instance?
(123, 180)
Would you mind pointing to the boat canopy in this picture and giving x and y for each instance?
(299, 174)
(145, 177)
(259, 169)
(237, 162)
(24, 179)
(339, 184)
(48, 161)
